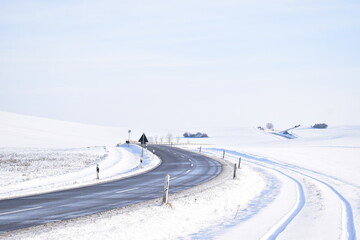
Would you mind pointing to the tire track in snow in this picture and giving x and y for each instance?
(285, 221)
(347, 221)
(281, 225)
(347, 215)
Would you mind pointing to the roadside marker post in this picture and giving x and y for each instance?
(239, 162)
(97, 171)
(234, 174)
(200, 149)
(224, 154)
(129, 131)
(166, 189)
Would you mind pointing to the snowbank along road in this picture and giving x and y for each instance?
(186, 170)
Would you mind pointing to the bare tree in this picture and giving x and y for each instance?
(156, 139)
(270, 126)
(169, 137)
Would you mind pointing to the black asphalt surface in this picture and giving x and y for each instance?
(186, 170)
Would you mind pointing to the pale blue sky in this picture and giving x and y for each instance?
(182, 63)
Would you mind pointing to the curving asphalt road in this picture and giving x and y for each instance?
(186, 169)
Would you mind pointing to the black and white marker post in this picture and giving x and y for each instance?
(166, 189)
(97, 171)
(234, 174)
(239, 162)
(129, 131)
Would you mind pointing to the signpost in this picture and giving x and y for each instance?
(143, 140)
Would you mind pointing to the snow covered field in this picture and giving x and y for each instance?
(19, 165)
(35, 155)
(320, 178)
(32, 171)
(303, 188)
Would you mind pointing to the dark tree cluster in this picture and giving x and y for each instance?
(195, 135)
(320, 125)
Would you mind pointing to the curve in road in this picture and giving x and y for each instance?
(187, 169)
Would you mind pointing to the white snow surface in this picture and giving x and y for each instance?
(114, 163)
(303, 188)
(33, 132)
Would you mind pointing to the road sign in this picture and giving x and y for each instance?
(143, 139)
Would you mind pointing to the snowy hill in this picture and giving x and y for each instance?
(26, 131)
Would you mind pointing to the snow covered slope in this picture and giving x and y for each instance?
(26, 131)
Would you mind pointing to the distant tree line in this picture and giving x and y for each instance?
(195, 135)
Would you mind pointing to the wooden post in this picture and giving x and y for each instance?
(234, 174)
(97, 171)
(166, 189)
(239, 162)
(224, 154)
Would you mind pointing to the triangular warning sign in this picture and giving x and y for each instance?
(143, 139)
